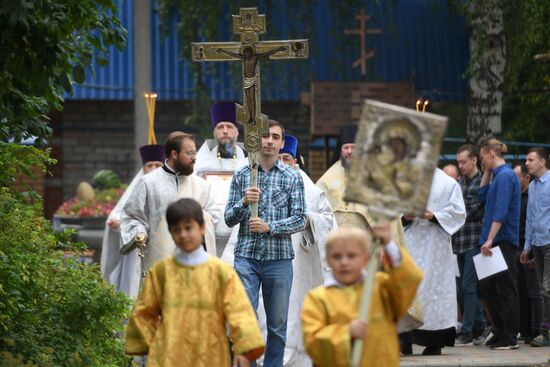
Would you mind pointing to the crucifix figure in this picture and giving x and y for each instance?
(249, 25)
(250, 78)
(362, 32)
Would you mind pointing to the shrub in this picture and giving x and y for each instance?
(54, 310)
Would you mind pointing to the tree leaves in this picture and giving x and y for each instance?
(46, 46)
(54, 311)
(79, 74)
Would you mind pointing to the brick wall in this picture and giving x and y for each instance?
(95, 135)
(335, 104)
(317, 163)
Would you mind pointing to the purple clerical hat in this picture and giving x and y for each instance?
(223, 111)
(151, 153)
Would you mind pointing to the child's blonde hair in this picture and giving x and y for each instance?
(345, 234)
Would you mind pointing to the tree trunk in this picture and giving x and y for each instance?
(487, 62)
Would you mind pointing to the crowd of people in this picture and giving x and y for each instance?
(216, 286)
(505, 208)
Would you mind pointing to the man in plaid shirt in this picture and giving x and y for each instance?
(466, 246)
(264, 253)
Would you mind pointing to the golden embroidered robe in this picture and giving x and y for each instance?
(327, 312)
(179, 318)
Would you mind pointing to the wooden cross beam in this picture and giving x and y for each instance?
(362, 32)
(249, 25)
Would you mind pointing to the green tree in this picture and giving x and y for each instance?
(46, 46)
(526, 106)
(508, 87)
(487, 64)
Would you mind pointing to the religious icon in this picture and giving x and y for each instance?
(390, 170)
(396, 152)
(250, 78)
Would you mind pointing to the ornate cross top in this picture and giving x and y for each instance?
(362, 32)
(249, 25)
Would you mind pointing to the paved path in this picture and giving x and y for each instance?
(480, 356)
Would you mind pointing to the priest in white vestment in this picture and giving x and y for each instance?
(308, 265)
(144, 212)
(217, 159)
(428, 239)
(117, 269)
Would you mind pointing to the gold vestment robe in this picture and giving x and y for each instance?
(179, 318)
(327, 312)
(333, 183)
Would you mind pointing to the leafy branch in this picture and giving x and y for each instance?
(47, 46)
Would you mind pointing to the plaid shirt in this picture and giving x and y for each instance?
(467, 237)
(282, 205)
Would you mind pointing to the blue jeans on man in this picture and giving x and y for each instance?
(275, 278)
(473, 318)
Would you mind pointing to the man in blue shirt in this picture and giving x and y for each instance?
(537, 230)
(264, 252)
(500, 227)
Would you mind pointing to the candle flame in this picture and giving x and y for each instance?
(426, 103)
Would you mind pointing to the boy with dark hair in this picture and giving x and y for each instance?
(180, 315)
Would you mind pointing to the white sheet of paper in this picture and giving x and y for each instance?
(489, 265)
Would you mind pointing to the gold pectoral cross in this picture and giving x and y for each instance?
(250, 50)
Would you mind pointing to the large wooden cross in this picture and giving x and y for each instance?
(362, 31)
(249, 25)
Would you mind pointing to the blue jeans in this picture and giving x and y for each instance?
(472, 313)
(275, 278)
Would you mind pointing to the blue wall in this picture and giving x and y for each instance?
(419, 36)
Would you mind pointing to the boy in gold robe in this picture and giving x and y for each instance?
(330, 313)
(180, 315)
